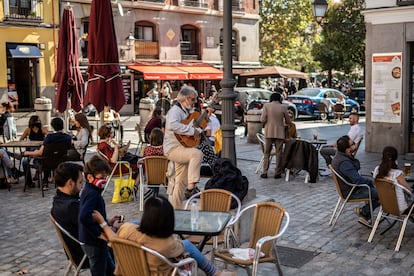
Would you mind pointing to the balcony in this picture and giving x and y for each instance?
(188, 51)
(146, 49)
(23, 19)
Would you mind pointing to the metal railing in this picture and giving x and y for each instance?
(193, 3)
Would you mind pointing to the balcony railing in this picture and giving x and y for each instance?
(193, 3)
(23, 18)
(146, 49)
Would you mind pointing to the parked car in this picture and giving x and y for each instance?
(249, 98)
(307, 99)
(358, 94)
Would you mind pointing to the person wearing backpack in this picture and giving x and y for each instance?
(6, 109)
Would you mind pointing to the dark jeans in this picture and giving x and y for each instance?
(28, 175)
(363, 193)
(101, 262)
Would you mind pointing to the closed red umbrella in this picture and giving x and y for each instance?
(68, 75)
(104, 73)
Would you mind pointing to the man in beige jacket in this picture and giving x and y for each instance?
(274, 117)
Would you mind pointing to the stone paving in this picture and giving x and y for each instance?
(28, 240)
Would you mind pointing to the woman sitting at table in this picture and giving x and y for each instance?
(388, 169)
(108, 147)
(35, 131)
(6, 109)
(82, 138)
(112, 117)
(156, 232)
(155, 121)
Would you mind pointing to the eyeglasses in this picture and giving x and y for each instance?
(193, 99)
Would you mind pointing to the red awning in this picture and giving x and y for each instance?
(204, 72)
(160, 72)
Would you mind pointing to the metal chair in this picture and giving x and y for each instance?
(265, 230)
(345, 190)
(323, 111)
(218, 200)
(357, 147)
(260, 138)
(132, 258)
(155, 175)
(77, 265)
(389, 209)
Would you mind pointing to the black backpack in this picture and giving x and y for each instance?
(228, 177)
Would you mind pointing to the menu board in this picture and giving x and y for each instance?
(126, 84)
(386, 93)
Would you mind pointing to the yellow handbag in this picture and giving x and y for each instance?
(123, 188)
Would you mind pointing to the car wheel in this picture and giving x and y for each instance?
(354, 109)
(324, 116)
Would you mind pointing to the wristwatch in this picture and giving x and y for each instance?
(103, 224)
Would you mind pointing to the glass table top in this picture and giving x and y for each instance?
(209, 223)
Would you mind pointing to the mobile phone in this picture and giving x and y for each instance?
(121, 218)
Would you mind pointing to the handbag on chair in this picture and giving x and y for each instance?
(123, 188)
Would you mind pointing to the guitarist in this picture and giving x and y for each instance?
(187, 160)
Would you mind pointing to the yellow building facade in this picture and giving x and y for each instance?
(28, 39)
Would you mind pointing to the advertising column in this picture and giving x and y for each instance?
(386, 88)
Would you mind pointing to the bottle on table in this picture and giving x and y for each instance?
(194, 214)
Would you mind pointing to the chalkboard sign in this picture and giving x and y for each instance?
(126, 83)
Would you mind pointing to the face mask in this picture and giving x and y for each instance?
(38, 125)
(99, 182)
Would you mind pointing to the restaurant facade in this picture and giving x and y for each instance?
(389, 75)
(151, 33)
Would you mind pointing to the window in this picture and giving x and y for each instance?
(234, 47)
(405, 2)
(144, 31)
(189, 40)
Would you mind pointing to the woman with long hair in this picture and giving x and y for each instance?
(82, 138)
(155, 231)
(388, 169)
(35, 131)
(155, 121)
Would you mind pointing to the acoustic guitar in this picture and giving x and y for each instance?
(197, 119)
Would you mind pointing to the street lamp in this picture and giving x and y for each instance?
(319, 8)
(227, 94)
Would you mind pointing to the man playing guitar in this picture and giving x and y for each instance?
(187, 160)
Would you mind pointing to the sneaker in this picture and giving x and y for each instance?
(365, 222)
(325, 172)
(263, 175)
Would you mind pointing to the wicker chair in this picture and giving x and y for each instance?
(216, 200)
(389, 209)
(155, 175)
(132, 258)
(265, 230)
(61, 232)
(346, 198)
(339, 112)
(261, 139)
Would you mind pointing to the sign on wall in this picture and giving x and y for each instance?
(386, 88)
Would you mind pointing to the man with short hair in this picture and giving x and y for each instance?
(65, 208)
(348, 167)
(187, 160)
(355, 133)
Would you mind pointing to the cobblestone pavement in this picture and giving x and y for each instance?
(28, 240)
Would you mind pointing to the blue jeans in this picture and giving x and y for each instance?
(100, 259)
(201, 260)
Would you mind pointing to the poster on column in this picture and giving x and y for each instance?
(386, 88)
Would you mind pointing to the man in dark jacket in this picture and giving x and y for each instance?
(348, 167)
(65, 208)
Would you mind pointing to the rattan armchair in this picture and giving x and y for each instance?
(73, 263)
(347, 197)
(218, 200)
(155, 175)
(132, 258)
(389, 209)
(265, 230)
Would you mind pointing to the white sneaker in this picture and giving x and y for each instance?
(325, 172)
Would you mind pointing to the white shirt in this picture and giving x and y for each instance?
(399, 190)
(213, 125)
(355, 133)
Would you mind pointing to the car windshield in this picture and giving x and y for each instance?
(313, 92)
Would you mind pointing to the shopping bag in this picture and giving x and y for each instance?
(123, 188)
